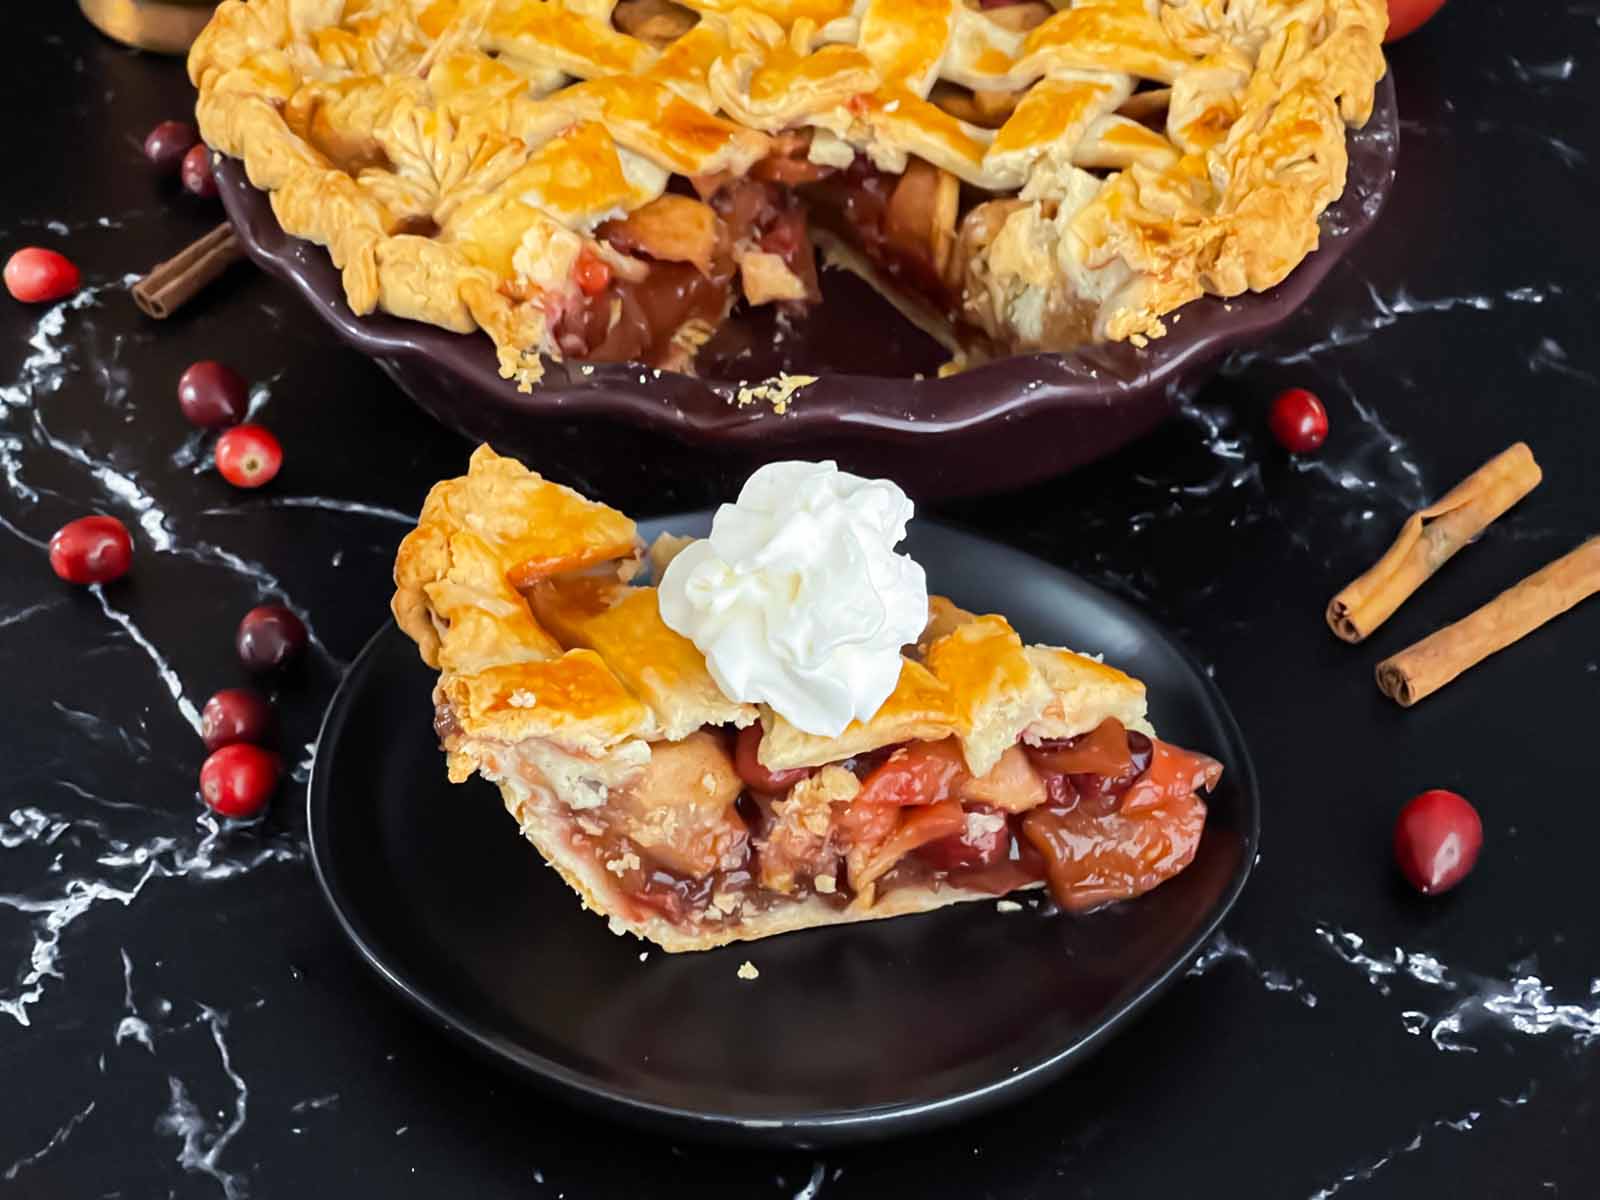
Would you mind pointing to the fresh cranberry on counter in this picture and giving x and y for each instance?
(1407, 16)
(35, 275)
(1436, 841)
(168, 142)
(248, 456)
(212, 395)
(269, 637)
(195, 171)
(1298, 421)
(235, 715)
(91, 550)
(238, 780)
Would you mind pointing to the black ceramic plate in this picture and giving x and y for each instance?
(849, 1033)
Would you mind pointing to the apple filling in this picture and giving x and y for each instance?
(703, 833)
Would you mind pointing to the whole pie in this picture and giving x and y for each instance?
(694, 820)
(604, 180)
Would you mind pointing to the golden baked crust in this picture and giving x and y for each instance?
(660, 666)
(457, 156)
(1083, 692)
(998, 690)
(480, 537)
(610, 742)
(922, 708)
(574, 701)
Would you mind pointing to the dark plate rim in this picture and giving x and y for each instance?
(703, 412)
(830, 1128)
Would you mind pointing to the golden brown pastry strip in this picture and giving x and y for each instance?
(1422, 669)
(1430, 538)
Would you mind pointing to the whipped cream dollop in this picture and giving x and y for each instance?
(798, 599)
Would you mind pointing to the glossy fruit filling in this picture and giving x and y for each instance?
(1101, 817)
(687, 259)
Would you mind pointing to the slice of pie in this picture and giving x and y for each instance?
(603, 180)
(694, 820)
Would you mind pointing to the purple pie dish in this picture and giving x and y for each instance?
(658, 439)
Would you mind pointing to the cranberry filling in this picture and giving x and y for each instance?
(1097, 837)
(648, 312)
(854, 205)
(882, 214)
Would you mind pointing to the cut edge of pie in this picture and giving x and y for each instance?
(603, 180)
(693, 820)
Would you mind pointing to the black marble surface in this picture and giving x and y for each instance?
(178, 1015)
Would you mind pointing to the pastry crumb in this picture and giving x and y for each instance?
(826, 884)
(628, 861)
(747, 970)
(777, 391)
(1007, 906)
(643, 954)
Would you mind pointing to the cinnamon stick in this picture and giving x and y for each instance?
(1424, 668)
(172, 284)
(1430, 538)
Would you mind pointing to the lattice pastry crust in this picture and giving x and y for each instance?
(1070, 174)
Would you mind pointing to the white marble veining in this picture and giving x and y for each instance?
(52, 915)
(1223, 949)
(163, 669)
(326, 503)
(204, 1139)
(132, 1026)
(57, 1139)
(813, 1184)
(1523, 1004)
(1363, 1173)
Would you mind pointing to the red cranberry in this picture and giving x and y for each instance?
(212, 395)
(972, 848)
(248, 456)
(1298, 421)
(755, 776)
(34, 275)
(238, 780)
(195, 171)
(1406, 16)
(168, 142)
(592, 273)
(91, 550)
(1436, 841)
(269, 637)
(235, 715)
